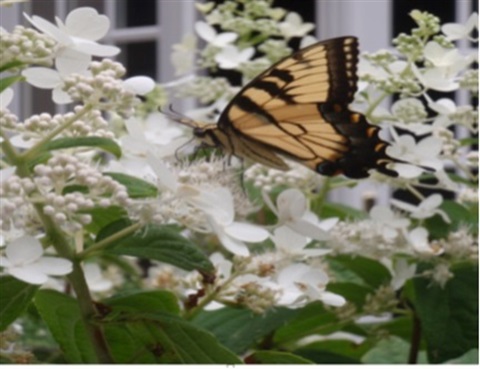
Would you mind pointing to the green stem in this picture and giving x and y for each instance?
(322, 194)
(415, 340)
(189, 314)
(89, 312)
(414, 191)
(374, 105)
(108, 241)
(62, 246)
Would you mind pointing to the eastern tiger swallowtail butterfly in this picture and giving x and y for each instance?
(298, 109)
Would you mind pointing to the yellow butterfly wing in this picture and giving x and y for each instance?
(298, 108)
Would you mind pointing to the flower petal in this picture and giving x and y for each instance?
(139, 85)
(29, 275)
(49, 29)
(60, 97)
(332, 299)
(53, 265)
(246, 232)
(24, 250)
(6, 97)
(87, 23)
(308, 229)
(93, 48)
(71, 61)
(205, 31)
(42, 77)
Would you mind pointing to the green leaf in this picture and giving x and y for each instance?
(8, 81)
(163, 244)
(449, 315)
(136, 187)
(11, 65)
(351, 291)
(112, 228)
(275, 357)
(101, 217)
(391, 350)
(146, 302)
(163, 338)
(400, 327)
(325, 357)
(312, 319)
(62, 315)
(471, 357)
(468, 141)
(341, 211)
(103, 143)
(459, 215)
(341, 351)
(239, 329)
(15, 296)
(372, 272)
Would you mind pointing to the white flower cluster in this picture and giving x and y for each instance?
(279, 264)
(50, 187)
(427, 61)
(288, 275)
(27, 46)
(246, 30)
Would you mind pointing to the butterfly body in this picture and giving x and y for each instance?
(298, 109)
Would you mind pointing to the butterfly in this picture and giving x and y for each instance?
(298, 109)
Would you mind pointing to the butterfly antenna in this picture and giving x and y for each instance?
(177, 157)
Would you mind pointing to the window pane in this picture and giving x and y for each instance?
(131, 13)
(139, 58)
(305, 8)
(402, 22)
(96, 4)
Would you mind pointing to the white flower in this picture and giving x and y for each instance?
(47, 78)
(300, 284)
(449, 61)
(292, 212)
(220, 215)
(77, 36)
(426, 209)
(183, 55)
(291, 243)
(435, 79)
(6, 173)
(424, 153)
(449, 113)
(6, 97)
(418, 239)
(24, 260)
(401, 272)
(307, 41)
(155, 134)
(222, 265)
(139, 85)
(209, 34)
(95, 280)
(231, 57)
(388, 224)
(293, 26)
(456, 31)
(208, 113)
(197, 196)
(217, 204)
